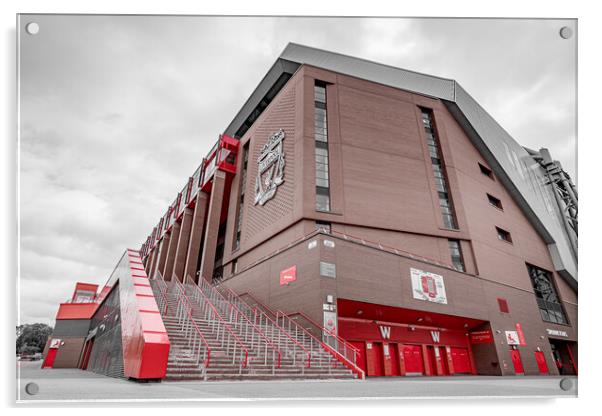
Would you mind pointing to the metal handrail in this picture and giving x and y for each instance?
(185, 306)
(233, 297)
(224, 324)
(245, 317)
(335, 348)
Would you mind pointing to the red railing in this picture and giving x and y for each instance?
(247, 329)
(190, 329)
(224, 333)
(264, 320)
(332, 342)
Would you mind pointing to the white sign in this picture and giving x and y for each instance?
(385, 331)
(328, 269)
(270, 172)
(428, 286)
(512, 338)
(330, 322)
(436, 336)
(329, 243)
(312, 244)
(557, 333)
(55, 343)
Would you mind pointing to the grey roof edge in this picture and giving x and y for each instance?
(278, 68)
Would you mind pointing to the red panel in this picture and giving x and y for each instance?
(394, 360)
(431, 359)
(541, 362)
(50, 356)
(414, 363)
(361, 356)
(76, 310)
(460, 360)
(373, 312)
(374, 359)
(444, 361)
(503, 305)
(516, 361)
(144, 338)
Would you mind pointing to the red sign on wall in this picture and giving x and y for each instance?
(521, 334)
(288, 275)
(481, 337)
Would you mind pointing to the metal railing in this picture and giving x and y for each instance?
(189, 330)
(284, 340)
(252, 335)
(203, 309)
(331, 341)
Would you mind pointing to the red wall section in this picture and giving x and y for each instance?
(76, 310)
(144, 338)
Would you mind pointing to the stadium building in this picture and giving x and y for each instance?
(354, 219)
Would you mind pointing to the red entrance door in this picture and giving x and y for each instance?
(516, 361)
(541, 362)
(390, 359)
(412, 356)
(460, 360)
(49, 361)
(374, 359)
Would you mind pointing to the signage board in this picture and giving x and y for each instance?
(288, 275)
(330, 321)
(481, 337)
(328, 269)
(55, 343)
(512, 338)
(329, 243)
(557, 333)
(428, 286)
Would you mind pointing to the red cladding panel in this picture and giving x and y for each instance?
(145, 341)
(76, 310)
(503, 304)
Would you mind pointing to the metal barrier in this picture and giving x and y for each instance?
(253, 336)
(292, 346)
(204, 310)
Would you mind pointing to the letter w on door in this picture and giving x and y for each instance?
(385, 331)
(436, 335)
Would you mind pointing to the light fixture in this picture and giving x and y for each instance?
(465, 325)
(420, 319)
(359, 312)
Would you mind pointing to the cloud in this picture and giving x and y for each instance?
(117, 112)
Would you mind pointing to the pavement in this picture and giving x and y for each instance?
(72, 385)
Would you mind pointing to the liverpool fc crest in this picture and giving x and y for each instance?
(270, 173)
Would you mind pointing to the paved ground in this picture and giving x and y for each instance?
(69, 385)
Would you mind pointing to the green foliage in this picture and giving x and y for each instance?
(32, 338)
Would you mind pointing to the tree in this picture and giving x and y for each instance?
(32, 336)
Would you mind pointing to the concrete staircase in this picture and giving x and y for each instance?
(214, 335)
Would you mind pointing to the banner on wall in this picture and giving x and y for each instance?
(330, 322)
(288, 275)
(428, 286)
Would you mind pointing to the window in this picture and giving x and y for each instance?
(486, 171)
(321, 148)
(550, 308)
(503, 235)
(323, 226)
(503, 305)
(234, 266)
(241, 199)
(495, 202)
(456, 255)
(447, 209)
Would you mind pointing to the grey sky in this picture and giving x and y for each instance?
(117, 112)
